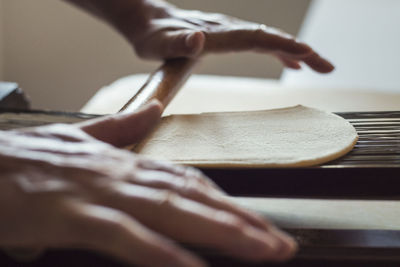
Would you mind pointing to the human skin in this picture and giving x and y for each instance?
(159, 30)
(61, 187)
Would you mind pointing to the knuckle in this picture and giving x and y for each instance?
(258, 31)
(176, 169)
(192, 181)
(35, 188)
(194, 174)
(199, 178)
(219, 19)
(257, 35)
(168, 199)
(194, 191)
(144, 163)
(192, 171)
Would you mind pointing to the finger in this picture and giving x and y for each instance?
(254, 38)
(190, 222)
(318, 63)
(289, 245)
(191, 187)
(290, 63)
(178, 170)
(313, 60)
(124, 129)
(174, 44)
(118, 235)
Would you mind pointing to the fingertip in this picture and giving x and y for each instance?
(273, 245)
(319, 64)
(124, 128)
(329, 67)
(324, 67)
(289, 245)
(195, 43)
(154, 106)
(263, 245)
(150, 112)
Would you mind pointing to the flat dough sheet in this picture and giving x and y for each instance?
(290, 137)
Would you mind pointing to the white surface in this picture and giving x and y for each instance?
(327, 214)
(361, 37)
(204, 93)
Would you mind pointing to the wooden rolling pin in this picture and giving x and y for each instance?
(163, 84)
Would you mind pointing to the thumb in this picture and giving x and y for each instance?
(182, 44)
(124, 129)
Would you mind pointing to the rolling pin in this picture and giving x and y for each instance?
(163, 84)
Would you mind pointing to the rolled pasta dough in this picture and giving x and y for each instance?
(290, 137)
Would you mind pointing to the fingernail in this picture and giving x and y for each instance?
(155, 102)
(152, 103)
(194, 42)
(191, 40)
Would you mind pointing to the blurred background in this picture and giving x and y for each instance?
(60, 55)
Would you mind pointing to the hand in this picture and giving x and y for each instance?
(159, 30)
(165, 31)
(60, 187)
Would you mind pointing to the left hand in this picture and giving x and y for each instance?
(165, 31)
(61, 187)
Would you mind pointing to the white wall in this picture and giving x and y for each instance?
(364, 46)
(61, 56)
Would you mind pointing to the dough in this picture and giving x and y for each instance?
(290, 137)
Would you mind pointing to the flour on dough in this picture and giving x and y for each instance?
(290, 137)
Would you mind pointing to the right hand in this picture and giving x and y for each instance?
(159, 30)
(60, 187)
